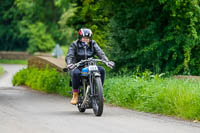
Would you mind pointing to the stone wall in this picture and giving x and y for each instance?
(42, 62)
(14, 55)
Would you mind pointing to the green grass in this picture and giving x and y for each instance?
(4, 61)
(169, 96)
(148, 93)
(1, 70)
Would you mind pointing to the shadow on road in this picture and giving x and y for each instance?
(68, 113)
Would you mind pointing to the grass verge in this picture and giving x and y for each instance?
(4, 61)
(1, 70)
(167, 96)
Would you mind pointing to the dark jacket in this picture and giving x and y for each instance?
(77, 52)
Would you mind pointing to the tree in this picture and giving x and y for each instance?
(159, 35)
(19, 18)
(92, 14)
(10, 38)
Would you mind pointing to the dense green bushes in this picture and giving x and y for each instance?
(159, 35)
(10, 38)
(34, 25)
(149, 93)
(47, 80)
(93, 14)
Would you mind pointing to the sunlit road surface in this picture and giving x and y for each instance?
(24, 110)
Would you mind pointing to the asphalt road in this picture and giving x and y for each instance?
(24, 110)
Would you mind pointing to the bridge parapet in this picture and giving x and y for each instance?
(42, 61)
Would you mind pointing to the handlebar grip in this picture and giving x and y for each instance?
(65, 69)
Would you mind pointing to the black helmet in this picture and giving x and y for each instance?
(84, 32)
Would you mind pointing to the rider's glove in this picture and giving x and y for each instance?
(70, 66)
(110, 64)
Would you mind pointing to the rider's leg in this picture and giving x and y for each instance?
(75, 84)
(103, 74)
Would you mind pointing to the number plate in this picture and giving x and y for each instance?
(93, 68)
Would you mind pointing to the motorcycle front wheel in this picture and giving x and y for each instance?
(97, 100)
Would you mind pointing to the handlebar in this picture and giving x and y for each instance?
(88, 60)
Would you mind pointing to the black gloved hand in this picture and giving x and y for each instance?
(110, 64)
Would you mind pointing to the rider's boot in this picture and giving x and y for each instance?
(74, 98)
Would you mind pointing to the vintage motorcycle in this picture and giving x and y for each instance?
(91, 90)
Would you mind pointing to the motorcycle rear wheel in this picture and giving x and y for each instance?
(79, 105)
(80, 101)
(81, 109)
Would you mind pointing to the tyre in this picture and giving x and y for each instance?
(81, 109)
(97, 100)
(80, 100)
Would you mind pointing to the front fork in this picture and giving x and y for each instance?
(92, 77)
(86, 88)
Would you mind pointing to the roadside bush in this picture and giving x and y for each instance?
(46, 80)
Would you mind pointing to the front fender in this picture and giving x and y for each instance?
(96, 74)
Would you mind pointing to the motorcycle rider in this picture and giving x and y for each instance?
(84, 47)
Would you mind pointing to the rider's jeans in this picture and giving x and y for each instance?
(76, 77)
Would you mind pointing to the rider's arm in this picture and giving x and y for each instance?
(99, 52)
(70, 54)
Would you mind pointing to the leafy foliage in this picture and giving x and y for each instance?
(159, 35)
(156, 35)
(92, 14)
(10, 38)
(46, 80)
(34, 24)
(38, 39)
